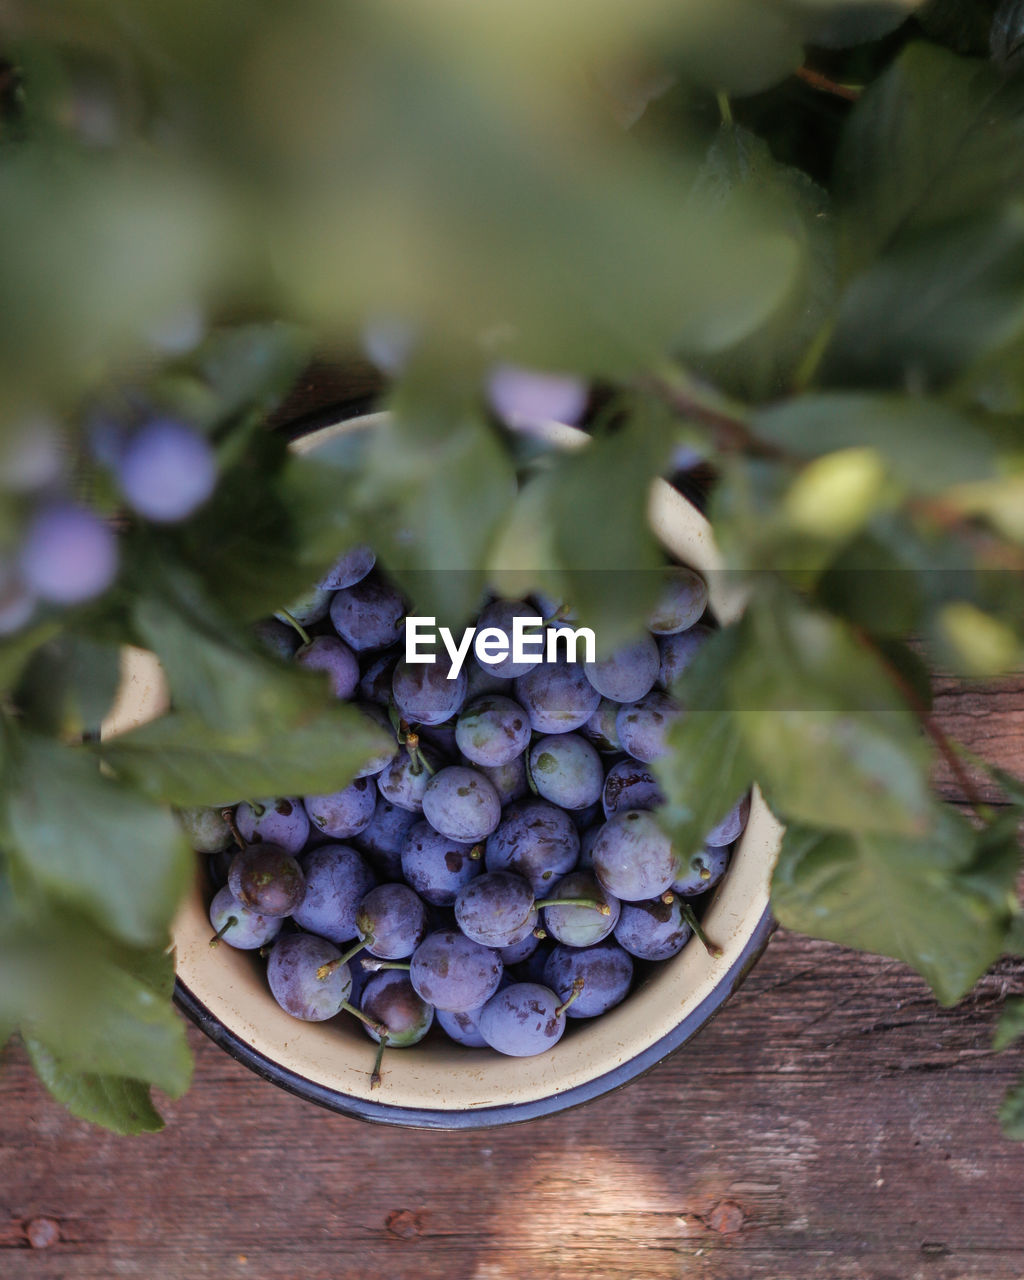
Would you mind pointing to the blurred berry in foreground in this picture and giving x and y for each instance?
(166, 471)
(526, 396)
(69, 554)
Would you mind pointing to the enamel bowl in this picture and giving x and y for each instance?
(437, 1084)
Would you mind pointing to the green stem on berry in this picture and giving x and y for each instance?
(258, 810)
(375, 1073)
(420, 761)
(577, 991)
(668, 897)
(540, 934)
(325, 970)
(375, 1026)
(376, 966)
(724, 108)
(215, 940)
(294, 622)
(712, 948)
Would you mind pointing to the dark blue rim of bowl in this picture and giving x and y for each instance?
(482, 1117)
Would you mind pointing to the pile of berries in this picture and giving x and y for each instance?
(499, 868)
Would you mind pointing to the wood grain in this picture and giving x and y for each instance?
(832, 1122)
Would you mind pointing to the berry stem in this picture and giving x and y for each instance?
(824, 84)
(577, 990)
(325, 970)
(229, 817)
(375, 1073)
(712, 948)
(294, 622)
(215, 940)
(374, 1026)
(376, 966)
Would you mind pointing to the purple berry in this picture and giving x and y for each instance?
(69, 554)
(167, 471)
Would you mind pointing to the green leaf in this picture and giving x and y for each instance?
(433, 497)
(962, 25)
(69, 685)
(936, 138)
(927, 445)
(941, 903)
(245, 544)
(181, 760)
(92, 842)
(707, 766)
(931, 308)
(214, 671)
(607, 555)
(765, 361)
(1010, 783)
(1011, 1113)
(830, 739)
(1011, 1024)
(838, 25)
(15, 652)
(250, 368)
(65, 987)
(117, 1103)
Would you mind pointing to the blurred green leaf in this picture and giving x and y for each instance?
(838, 25)
(69, 685)
(156, 227)
(93, 843)
(181, 760)
(433, 517)
(829, 737)
(213, 671)
(740, 164)
(608, 557)
(935, 139)
(932, 307)
(16, 651)
(707, 767)
(941, 904)
(927, 445)
(244, 545)
(117, 1103)
(962, 25)
(1011, 1024)
(61, 984)
(1011, 1113)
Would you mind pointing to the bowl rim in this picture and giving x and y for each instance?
(452, 1120)
(691, 540)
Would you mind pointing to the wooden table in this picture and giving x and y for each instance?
(833, 1122)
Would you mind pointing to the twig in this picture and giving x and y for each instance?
(929, 724)
(848, 92)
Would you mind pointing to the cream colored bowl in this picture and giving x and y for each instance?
(440, 1084)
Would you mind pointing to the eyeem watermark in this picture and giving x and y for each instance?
(529, 642)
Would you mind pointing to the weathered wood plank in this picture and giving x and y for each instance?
(988, 719)
(832, 1122)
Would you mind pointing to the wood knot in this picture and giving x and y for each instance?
(404, 1224)
(726, 1217)
(42, 1232)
